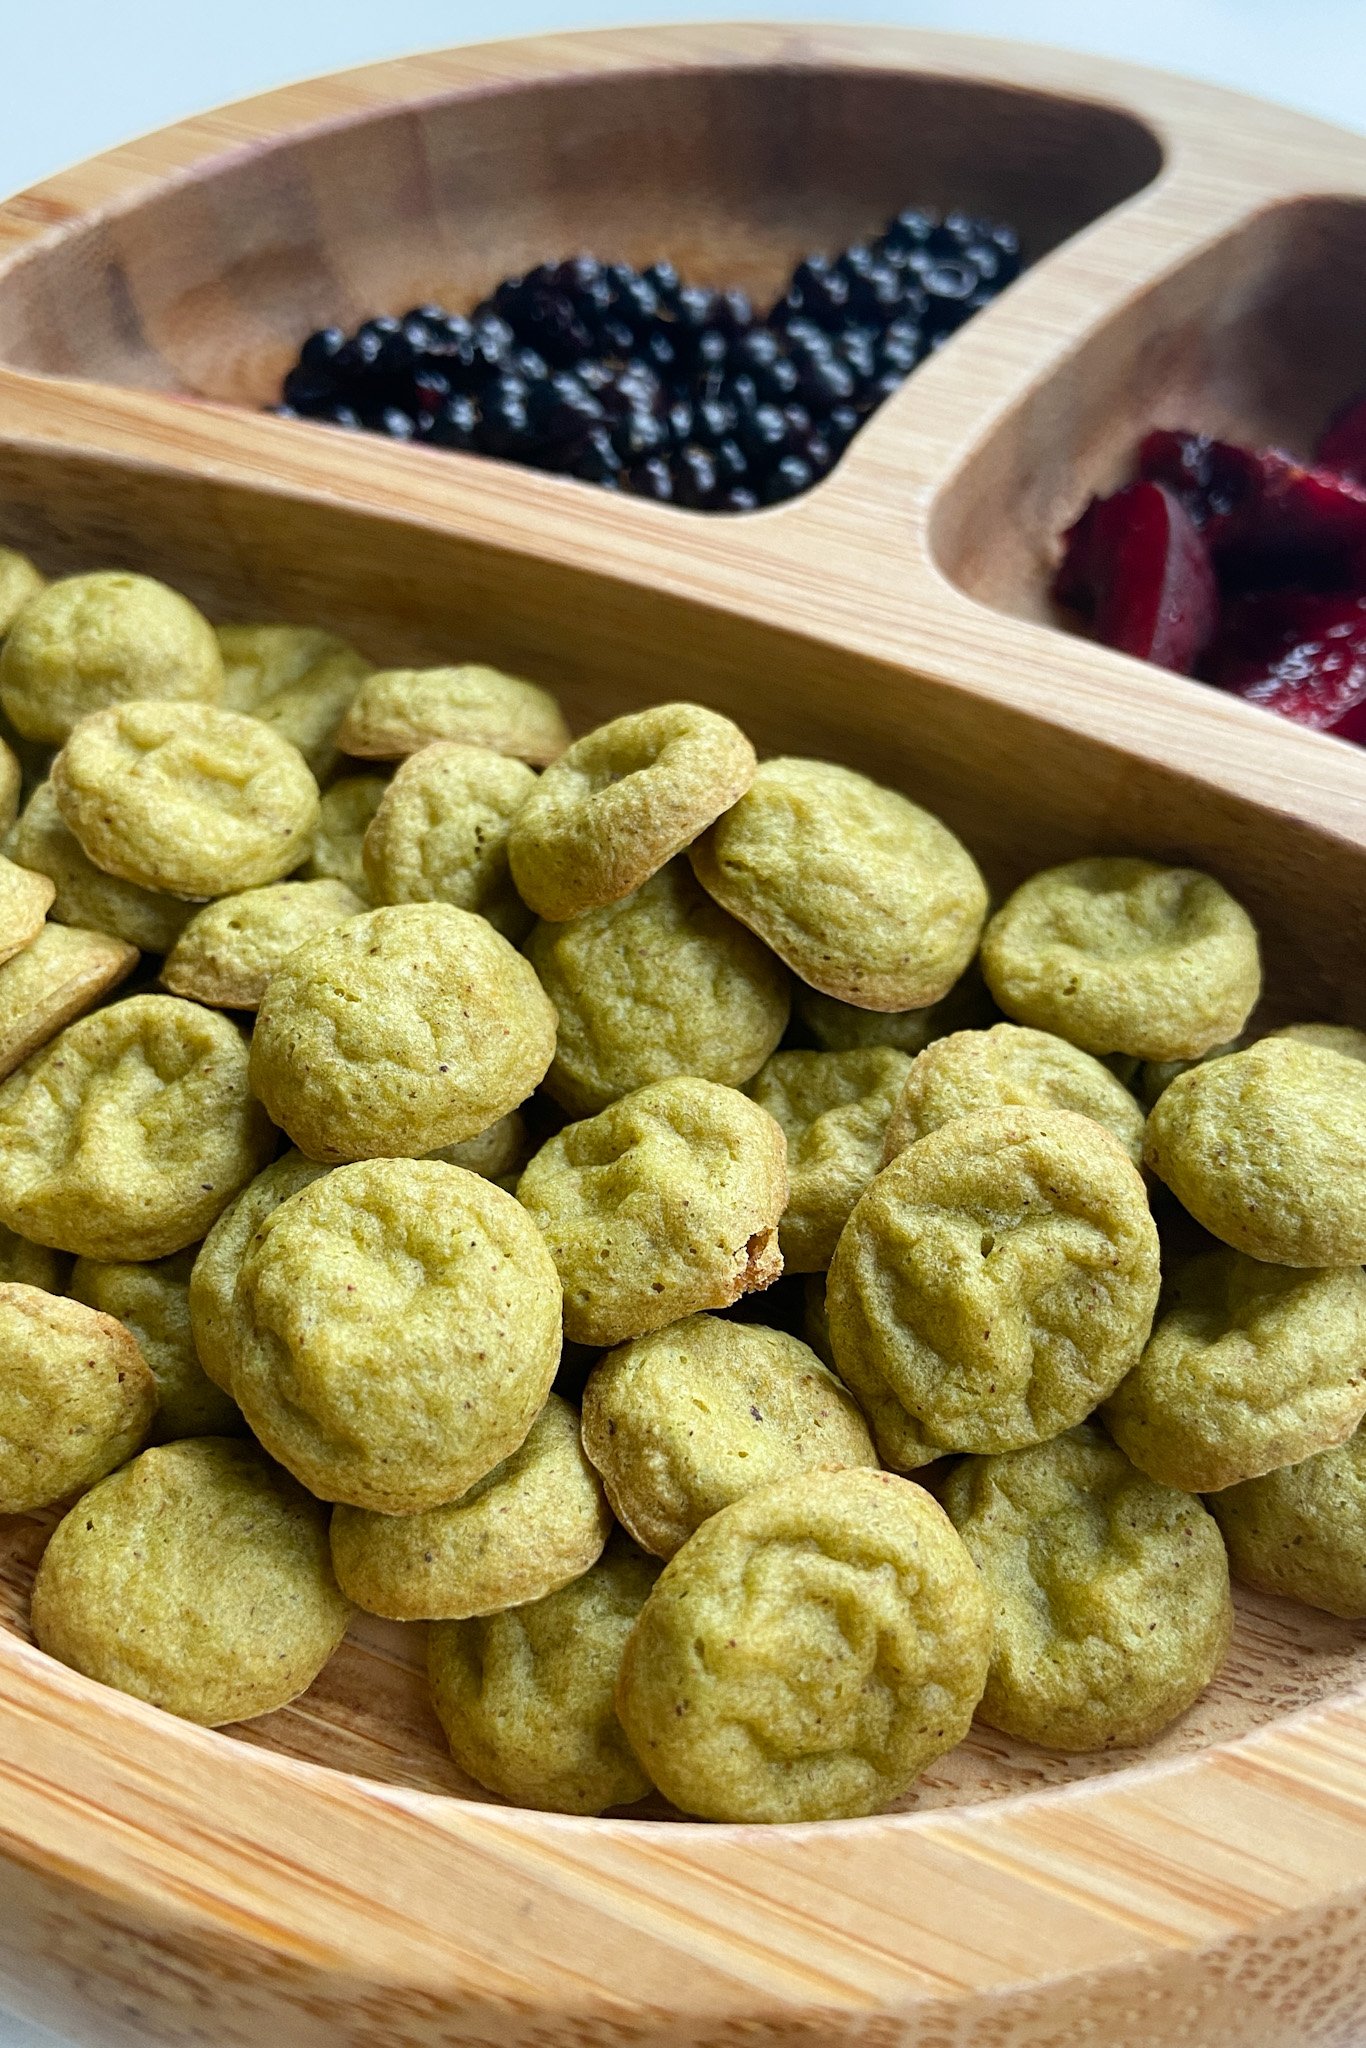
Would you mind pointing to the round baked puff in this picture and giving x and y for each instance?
(11, 785)
(344, 816)
(400, 1031)
(499, 1153)
(86, 897)
(807, 1652)
(535, 1522)
(1154, 1077)
(864, 895)
(665, 1203)
(76, 1393)
(1249, 1367)
(1109, 1593)
(295, 679)
(1267, 1149)
(397, 711)
(51, 983)
(92, 641)
(186, 798)
(526, 1696)
(1340, 1038)
(684, 1421)
(395, 1332)
(834, 1108)
(218, 1262)
(33, 1265)
(994, 1284)
(661, 983)
(1300, 1532)
(440, 834)
(1009, 1067)
(129, 1134)
(20, 581)
(229, 950)
(843, 1027)
(24, 901)
(1125, 956)
(621, 802)
(151, 1301)
(197, 1579)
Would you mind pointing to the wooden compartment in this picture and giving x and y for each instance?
(1256, 339)
(309, 1881)
(207, 284)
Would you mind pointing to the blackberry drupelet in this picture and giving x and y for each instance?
(636, 381)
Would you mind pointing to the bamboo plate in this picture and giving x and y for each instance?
(1200, 259)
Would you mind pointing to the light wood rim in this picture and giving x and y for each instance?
(1227, 160)
(488, 1908)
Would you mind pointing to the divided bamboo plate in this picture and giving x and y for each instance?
(324, 1878)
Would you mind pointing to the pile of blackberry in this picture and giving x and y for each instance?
(638, 382)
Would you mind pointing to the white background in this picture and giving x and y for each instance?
(82, 74)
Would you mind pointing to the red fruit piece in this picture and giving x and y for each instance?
(1210, 477)
(1353, 726)
(1297, 653)
(1136, 564)
(1342, 444)
(1258, 501)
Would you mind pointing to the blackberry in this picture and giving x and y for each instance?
(560, 411)
(899, 350)
(715, 421)
(681, 421)
(455, 424)
(763, 435)
(695, 477)
(818, 292)
(762, 355)
(652, 479)
(948, 286)
(309, 392)
(638, 435)
(660, 351)
(732, 463)
(858, 350)
(907, 231)
(665, 282)
(787, 479)
(636, 380)
(597, 462)
(505, 419)
(877, 288)
(320, 351)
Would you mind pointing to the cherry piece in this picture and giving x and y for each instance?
(1353, 726)
(1137, 564)
(1211, 478)
(1298, 653)
(1342, 444)
(1258, 502)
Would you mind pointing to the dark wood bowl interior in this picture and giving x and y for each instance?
(1256, 339)
(209, 286)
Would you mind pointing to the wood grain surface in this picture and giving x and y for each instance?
(325, 1878)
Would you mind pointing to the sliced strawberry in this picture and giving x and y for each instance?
(1295, 652)
(1136, 565)
(1342, 444)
